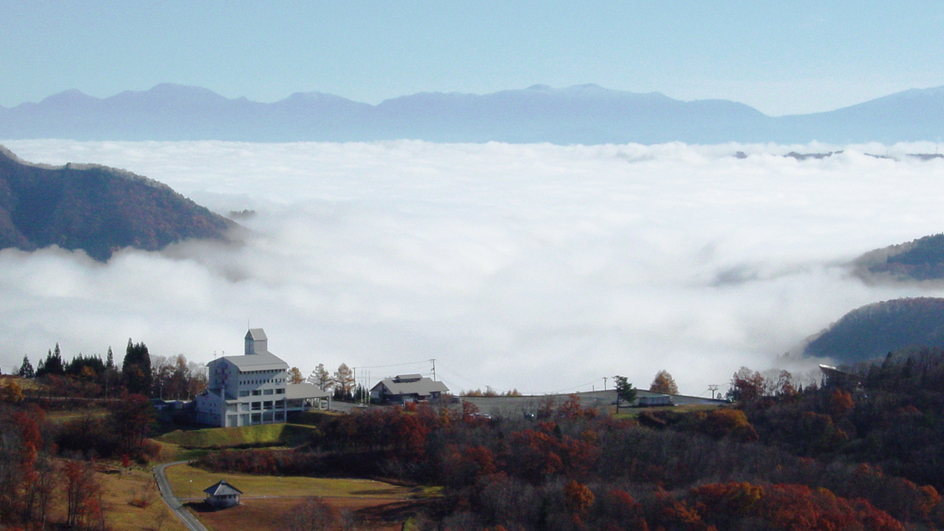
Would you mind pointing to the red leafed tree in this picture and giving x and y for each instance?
(410, 433)
(840, 404)
(132, 417)
(786, 507)
(577, 499)
(82, 489)
(729, 423)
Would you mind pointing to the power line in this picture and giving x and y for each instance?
(574, 387)
(393, 365)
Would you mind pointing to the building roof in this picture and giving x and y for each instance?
(222, 488)
(304, 390)
(412, 384)
(261, 361)
(256, 334)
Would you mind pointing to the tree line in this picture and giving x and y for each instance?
(856, 450)
(140, 372)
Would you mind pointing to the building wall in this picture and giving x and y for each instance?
(256, 396)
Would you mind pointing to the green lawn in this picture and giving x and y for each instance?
(189, 482)
(267, 434)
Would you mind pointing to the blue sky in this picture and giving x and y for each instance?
(779, 57)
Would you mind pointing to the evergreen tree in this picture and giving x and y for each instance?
(624, 392)
(136, 369)
(52, 365)
(26, 369)
(110, 359)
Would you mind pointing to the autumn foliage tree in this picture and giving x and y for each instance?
(664, 383)
(295, 376)
(82, 488)
(132, 417)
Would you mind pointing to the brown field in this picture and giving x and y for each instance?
(119, 489)
(262, 514)
(372, 504)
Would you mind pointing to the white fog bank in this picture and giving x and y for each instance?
(537, 267)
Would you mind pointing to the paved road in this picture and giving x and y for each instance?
(172, 501)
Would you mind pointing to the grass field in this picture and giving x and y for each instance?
(189, 482)
(266, 514)
(373, 504)
(266, 434)
(119, 489)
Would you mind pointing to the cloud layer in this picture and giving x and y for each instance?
(537, 267)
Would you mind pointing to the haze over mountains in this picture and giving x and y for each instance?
(582, 114)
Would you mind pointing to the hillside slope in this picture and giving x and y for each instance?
(918, 260)
(876, 329)
(96, 209)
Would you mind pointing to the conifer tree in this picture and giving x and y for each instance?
(136, 369)
(26, 369)
(52, 365)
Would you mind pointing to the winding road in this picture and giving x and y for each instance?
(172, 501)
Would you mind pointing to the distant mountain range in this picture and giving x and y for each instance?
(584, 114)
(96, 209)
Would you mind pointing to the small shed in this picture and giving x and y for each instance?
(222, 495)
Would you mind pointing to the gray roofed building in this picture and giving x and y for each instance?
(256, 342)
(253, 388)
(222, 494)
(258, 362)
(407, 388)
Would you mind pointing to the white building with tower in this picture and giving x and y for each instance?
(253, 388)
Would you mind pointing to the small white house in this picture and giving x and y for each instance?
(253, 388)
(222, 494)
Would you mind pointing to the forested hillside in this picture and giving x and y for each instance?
(96, 209)
(921, 259)
(876, 329)
(860, 452)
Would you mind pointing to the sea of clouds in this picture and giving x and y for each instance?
(536, 267)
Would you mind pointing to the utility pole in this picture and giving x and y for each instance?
(604, 383)
(434, 368)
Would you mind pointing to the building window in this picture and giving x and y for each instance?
(280, 391)
(268, 391)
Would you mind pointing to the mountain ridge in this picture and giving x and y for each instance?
(95, 208)
(579, 114)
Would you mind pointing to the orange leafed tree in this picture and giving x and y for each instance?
(664, 383)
